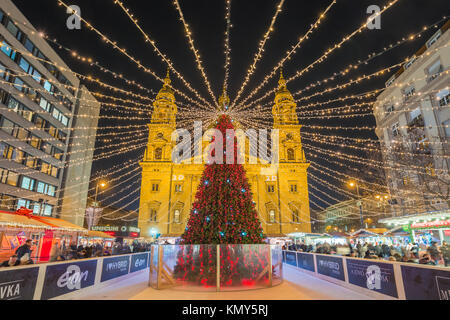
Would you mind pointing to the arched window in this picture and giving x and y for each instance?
(176, 216)
(290, 154)
(272, 216)
(158, 153)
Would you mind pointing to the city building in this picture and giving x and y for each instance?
(45, 149)
(345, 216)
(168, 189)
(413, 126)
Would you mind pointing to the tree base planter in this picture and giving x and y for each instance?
(224, 267)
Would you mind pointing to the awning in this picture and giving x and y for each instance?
(10, 219)
(98, 234)
(63, 225)
(364, 233)
(337, 234)
(396, 232)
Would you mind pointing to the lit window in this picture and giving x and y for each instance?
(176, 216)
(272, 216)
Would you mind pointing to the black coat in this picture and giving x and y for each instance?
(22, 250)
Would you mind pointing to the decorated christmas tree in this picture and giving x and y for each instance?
(223, 213)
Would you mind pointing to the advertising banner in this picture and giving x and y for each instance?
(68, 277)
(291, 258)
(138, 262)
(305, 261)
(330, 266)
(18, 284)
(426, 283)
(115, 267)
(372, 275)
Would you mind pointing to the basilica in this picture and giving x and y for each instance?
(168, 189)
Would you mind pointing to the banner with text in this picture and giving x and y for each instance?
(426, 283)
(138, 262)
(305, 261)
(115, 267)
(372, 275)
(68, 277)
(330, 266)
(18, 284)
(291, 258)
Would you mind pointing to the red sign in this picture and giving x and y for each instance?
(431, 224)
(447, 233)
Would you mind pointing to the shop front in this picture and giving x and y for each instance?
(424, 228)
(16, 227)
(123, 233)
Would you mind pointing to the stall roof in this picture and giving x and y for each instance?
(63, 224)
(11, 219)
(304, 234)
(364, 233)
(397, 231)
(338, 234)
(407, 219)
(98, 234)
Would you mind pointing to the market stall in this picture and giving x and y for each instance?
(93, 237)
(305, 237)
(16, 227)
(424, 228)
(368, 236)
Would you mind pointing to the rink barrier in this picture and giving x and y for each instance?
(64, 278)
(376, 278)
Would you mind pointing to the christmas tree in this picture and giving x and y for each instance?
(223, 213)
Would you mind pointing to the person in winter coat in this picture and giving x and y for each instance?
(23, 249)
(55, 252)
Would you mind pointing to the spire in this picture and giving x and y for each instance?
(167, 80)
(281, 82)
(224, 100)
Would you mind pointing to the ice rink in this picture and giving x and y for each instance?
(296, 286)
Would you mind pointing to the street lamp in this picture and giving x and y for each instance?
(354, 184)
(101, 184)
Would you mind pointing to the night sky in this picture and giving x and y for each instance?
(250, 19)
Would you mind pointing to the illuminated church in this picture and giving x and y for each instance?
(168, 189)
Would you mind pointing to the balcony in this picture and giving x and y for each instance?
(435, 75)
(416, 123)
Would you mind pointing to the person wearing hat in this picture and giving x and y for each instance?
(11, 262)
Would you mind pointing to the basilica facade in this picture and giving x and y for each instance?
(168, 189)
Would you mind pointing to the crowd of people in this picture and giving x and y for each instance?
(412, 252)
(22, 255)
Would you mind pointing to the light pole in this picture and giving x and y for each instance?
(354, 184)
(101, 184)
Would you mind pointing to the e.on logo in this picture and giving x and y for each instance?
(139, 263)
(72, 278)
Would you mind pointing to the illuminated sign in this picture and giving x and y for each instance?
(431, 224)
(119, 231)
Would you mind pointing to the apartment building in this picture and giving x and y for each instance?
(413, 126)
(46, 140)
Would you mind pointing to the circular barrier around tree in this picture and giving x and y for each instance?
(215, 267)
